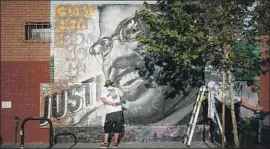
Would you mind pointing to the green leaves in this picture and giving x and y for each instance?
(261, 16)
(187, 34)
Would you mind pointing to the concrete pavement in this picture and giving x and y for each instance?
(195, 144)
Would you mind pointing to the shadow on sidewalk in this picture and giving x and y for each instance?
(66, 134)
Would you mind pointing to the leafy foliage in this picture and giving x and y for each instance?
(261, 15)
(184, 35)
(176, 43)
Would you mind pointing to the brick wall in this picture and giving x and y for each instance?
(24, 65)
(265, 94)
(265, 79)
(14, 15)
(20, 83)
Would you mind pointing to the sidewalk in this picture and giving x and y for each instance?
(195, 144)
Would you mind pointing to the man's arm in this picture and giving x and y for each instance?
(103, 96)
(245, 104)
(105, 101)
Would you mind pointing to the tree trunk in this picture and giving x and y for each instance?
(235, 133)
(223, 109)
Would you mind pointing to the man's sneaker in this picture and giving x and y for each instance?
(115, 144)
(104, 145)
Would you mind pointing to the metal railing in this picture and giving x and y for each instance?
(36, 118)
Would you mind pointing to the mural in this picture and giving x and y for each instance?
(92, 42)
(95, 42)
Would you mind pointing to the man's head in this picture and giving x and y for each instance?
(254, 84)
(108, 83)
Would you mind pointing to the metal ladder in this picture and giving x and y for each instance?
(203, 92)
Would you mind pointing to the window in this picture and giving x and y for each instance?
(37, 31)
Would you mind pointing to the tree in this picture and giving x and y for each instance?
(176, 39)
(261, 16)
(261, 19)
(226, 22)
(189, 33)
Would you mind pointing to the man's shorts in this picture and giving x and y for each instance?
(114, 122)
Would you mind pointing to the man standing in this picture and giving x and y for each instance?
(111, 97)
(249, 102)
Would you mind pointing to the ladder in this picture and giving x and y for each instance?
(203, 92)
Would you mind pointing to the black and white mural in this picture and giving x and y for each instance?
(95, 42)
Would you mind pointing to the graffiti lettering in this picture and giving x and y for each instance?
(72, 24)
(74, 10)
(71, 10)
(47, 110)
(60, 11)
(55, 106)
(87, 10)
(59, 105)
(73, 100)
(71, 18)
(76, 47)
(60, 25)
(78, 38)
(58, 39)
(87, 89)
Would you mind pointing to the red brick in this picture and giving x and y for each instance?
(265, 94)
(265, 79)
(23, 92)
(14, 15)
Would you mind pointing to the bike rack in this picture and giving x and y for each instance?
(36, 118)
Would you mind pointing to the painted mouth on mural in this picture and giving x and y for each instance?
(130, 81)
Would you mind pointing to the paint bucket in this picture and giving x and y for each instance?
(257, 115)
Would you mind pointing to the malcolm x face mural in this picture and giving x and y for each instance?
(121, 58)
(112, 52)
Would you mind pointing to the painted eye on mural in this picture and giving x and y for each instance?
(128, 29)
(101, 49)
(102, 46)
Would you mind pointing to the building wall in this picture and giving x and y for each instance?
(27, 66)
(265, 79)
(265, 94)
(24, 64)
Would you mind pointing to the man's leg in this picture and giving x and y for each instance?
(254, 124)
(237, 107)
(118, 128)
(116, 137)
(106, 137)
(107, 130)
